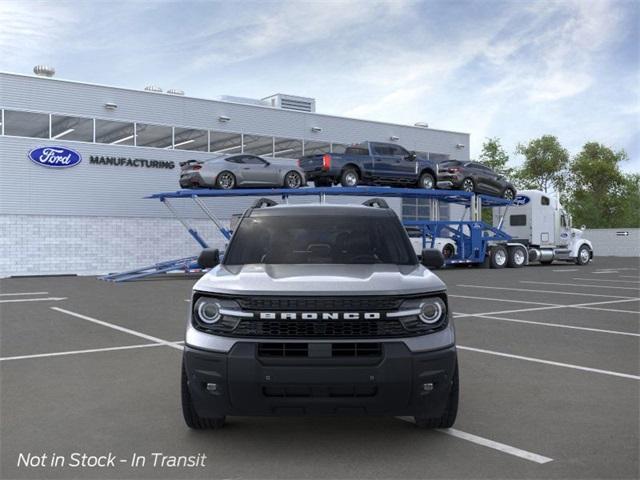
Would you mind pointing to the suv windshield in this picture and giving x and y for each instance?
(315, 239)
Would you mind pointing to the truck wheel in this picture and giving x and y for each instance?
(448, 418)
(468, 185)
(191, 417)
(226, 180)
(499, 257)
(517, 257)
(427, 181)
(349, 178)
(584, 255)
(448, 251)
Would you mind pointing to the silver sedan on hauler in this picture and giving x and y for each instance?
(241, 170)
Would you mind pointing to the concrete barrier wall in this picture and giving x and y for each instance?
(614, 242)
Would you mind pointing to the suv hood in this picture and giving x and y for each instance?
(324, 279)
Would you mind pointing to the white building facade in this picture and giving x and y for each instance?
(92, 217)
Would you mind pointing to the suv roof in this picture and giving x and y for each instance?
(321, 209)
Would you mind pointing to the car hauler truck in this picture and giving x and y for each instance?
(537, 221)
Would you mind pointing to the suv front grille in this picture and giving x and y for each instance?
(317, 304)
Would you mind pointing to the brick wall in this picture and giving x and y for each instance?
(42, 245)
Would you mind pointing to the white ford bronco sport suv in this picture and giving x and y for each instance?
(319, 310)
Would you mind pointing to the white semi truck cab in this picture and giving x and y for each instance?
(538, 221)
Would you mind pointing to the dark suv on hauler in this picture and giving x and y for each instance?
(320, 310)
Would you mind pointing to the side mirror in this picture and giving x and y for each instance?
(432, 258)
(583, 228)
(209, 258)
(412, 156)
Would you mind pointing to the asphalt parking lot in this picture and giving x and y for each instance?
(549, 368)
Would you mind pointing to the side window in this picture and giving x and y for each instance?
(544, 200)
(379, 149)
(518, 220)
(399, 151)
(237, 159)
(251, 160)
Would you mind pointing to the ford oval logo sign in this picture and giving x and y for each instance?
(55, 157)
(521, 200)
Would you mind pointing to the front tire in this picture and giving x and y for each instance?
(584, 255)
(498, 257)
(448, 418)
(226, 180)
(293, 180)
(349, 178)
(191, 417)
(427, 181)
(468, 185)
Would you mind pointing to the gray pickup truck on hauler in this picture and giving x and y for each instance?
(320, 310)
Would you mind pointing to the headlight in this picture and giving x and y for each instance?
(207, 310)
(432, 310)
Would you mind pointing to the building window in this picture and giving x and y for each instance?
(26, 124)
(287, 148)
(114, 133)
(190, 139)
(157, 136)
(315, 148)
(71, 128)
(225, 142)
(258, 145)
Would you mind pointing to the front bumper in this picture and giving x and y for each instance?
(394, 381)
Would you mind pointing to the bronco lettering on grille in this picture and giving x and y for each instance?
(320, 316)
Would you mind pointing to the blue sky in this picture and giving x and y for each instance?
(514, 69)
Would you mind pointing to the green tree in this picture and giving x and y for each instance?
(494, 156)
(600, 195)
(544, 165)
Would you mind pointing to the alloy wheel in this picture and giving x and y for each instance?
(293, 180)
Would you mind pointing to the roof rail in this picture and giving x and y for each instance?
(375, 202)
(264, 202)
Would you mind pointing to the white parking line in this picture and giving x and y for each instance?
(604, 280)
(118, 327)
(485, 442)
(628, 276)
(23, 293)
(557, 325)
(47, 299)
(549, 362)
(588, 306)
(581, 285)
(505, 300)
(76, 352)
(566, 270)
(529, 290)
